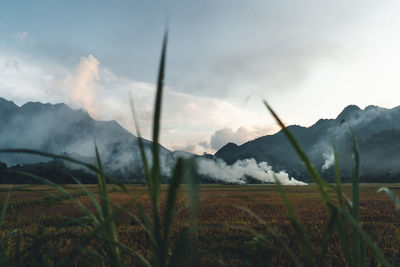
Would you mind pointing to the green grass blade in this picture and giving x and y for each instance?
(137, 256)
(355, 178)
(110, 226)
(5, 206)
(142, 219)
(186, 247)
(79, 205)
(277, 236)
(337, 178)
(90, 195)
(50, 155)
(157, 113)
(303, 157)
(144, 223)
(102, 231)
(101, 182)
(158, 256)
(341, 227)
(364, 236)
(358, 256)
(169, 213)
(393, 196)
(113, 242)
(192, 180)
(341, 223)
(327, 238)
(183, 249)
(147, 173)
(301, 235)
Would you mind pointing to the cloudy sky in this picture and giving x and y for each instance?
(308, 59)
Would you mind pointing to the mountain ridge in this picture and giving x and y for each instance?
(318, 139)
(59, 129)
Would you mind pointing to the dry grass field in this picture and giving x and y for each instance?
(222, 236)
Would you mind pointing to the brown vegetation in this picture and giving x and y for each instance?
(222, 235)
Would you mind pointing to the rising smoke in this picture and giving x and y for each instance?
(329, 160)
(82, 85)
(364, 123)
(241, 169)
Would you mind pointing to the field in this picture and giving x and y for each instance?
(223, 235)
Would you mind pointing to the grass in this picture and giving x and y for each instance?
(218, 214)
(170, 225)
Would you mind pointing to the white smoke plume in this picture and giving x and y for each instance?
(83, 88)
(329, 158)
(241, 169)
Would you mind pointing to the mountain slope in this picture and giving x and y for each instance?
(60, 129)
(376, 129)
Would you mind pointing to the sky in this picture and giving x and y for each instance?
(308, 59)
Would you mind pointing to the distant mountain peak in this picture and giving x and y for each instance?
(226, 150)
(60, 129)
(231, 145)
(348, 112)
(39, 105)
(4, 102)
(377, 131)
(373, 108)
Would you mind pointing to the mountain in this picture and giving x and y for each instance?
(377, 131)
(61, 130)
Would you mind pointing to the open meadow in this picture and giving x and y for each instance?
(223, 235)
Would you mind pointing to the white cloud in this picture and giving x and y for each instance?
(186, 119)
(307, 66)
(240, 136)
(23, 79)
